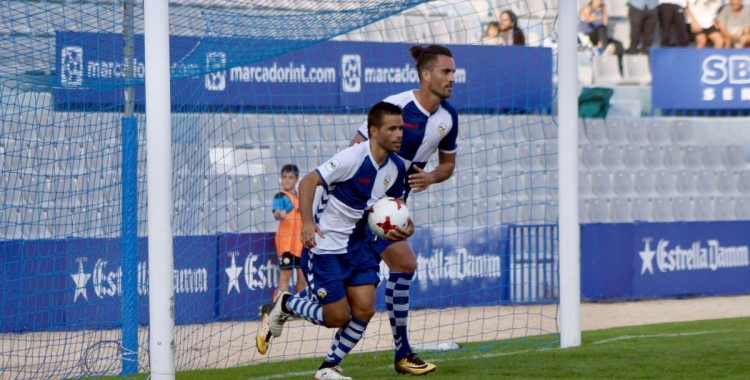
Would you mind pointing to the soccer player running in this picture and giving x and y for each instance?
(430, 124)
(341, 269)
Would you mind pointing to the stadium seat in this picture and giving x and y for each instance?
(726, 183)
(644, 183)
(582, 139)
(632, 158)
(635, 68)
(550, 128)
(665, 183)
(419, 211)
(724, 208)
(465, 214)
(682, 209)
(591, 156)
(682, 132)
(652, 157)
(549, 156)
(537, 186)
(551, 212)
(641, 209)
(638, 132)
(552, 185)
(514, 187)
(606, 70)
(437, 30)
(742, 208)
(529, 157)
(414, 29)
(263, 220)
(467, 29)
(508, 158)
(510, 132)
(617, 132)
(611, 156)
(734, 157)
(446, 192)
(45, 160)
(692, 157)
(596, 131)
(620, 210)
(706, 181)
(13, 183)
(703, 209)
(583, 213)
(711, 156)
(672, 157)
(584, 185)
(465, 184)
(622, 183)
(662, 210)
(601, 184)
(599, 210)
(659, 132)
(743, 182)
(67, 191)
(685, 183)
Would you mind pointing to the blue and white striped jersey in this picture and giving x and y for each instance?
(353, 182)
(424, 133)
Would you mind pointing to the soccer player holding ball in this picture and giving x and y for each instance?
(339, 264)
(430, 125)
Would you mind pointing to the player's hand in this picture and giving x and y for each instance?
(401, 234)
(282, 214)
(420, 180)
(307, 234)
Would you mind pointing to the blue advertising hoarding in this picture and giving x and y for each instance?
(650, 260)
(76, 283)
(327, 75)
(700, 79)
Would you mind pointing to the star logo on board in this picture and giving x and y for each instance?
(647, 256)
(80, 278)
(234, 274)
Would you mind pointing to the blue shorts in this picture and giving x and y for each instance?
(328, 276)
(377, 244)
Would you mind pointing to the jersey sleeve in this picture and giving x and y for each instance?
(397, 190)
(342, 166)
(448, 144)
(363, 129)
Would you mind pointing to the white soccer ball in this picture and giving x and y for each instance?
(387, 214)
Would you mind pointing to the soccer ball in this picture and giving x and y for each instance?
(387, 214)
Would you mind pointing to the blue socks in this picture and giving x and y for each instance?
(302, 306)
(397, 303)
(346, 338)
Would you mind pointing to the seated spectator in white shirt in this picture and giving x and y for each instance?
(733, 22)
(702, 16)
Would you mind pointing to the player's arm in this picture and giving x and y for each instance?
(306, 196)
(420, 180)
(279, 212)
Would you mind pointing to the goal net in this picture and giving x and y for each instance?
(257, 85)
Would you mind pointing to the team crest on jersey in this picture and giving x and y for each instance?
(441, 128)
(322, 293)
(386, 182)
(332, 165)
(287, 261)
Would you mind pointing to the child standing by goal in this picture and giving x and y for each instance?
(287, 239)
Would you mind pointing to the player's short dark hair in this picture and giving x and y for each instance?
(426, 56)
(290, 168)
(378, 111)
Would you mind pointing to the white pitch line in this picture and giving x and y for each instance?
(665, 335)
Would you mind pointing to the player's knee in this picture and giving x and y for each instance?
(365, 313)
(337, 318)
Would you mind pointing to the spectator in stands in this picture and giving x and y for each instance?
(510, 33)
(643, 16)
(672, 19)
(491, 34)
(504, 33)
(702, 17)
(593, 21)
(733, 22)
